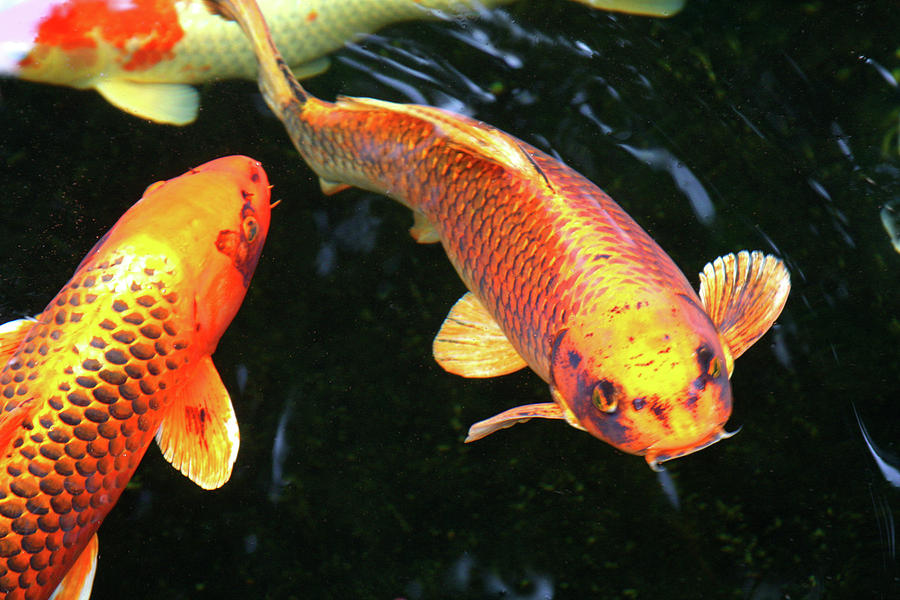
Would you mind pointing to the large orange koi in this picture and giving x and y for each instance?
(120, 355)
(561, 279)
(142, 55)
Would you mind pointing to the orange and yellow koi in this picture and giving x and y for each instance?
(561, 279)
(142, 55)
(122, 355)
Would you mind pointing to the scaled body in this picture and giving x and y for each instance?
(120, 356)
(561, 279)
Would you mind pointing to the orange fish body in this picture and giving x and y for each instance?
(561, 279)
(120, 356)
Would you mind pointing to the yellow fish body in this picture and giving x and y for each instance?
(143, 55)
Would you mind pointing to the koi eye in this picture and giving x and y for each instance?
(605, 396)
(251, 228)
(715, 368)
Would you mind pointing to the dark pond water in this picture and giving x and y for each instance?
(758, 124)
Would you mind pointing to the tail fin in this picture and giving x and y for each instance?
(276, 82)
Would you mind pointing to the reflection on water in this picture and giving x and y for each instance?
(760, 114)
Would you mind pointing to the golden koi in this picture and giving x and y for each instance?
(142, 55)
(122, 355)
(561, 279)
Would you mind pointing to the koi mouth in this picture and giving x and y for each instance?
(654, 459)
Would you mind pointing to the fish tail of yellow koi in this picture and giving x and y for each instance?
(279, 87)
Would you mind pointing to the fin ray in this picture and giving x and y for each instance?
(471, 343)
(743, 295)
(169, 103)
(199, 435)
(519, 414)
(11, 336)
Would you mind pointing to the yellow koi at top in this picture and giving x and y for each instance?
(561, 279)
(122, 355)
(142, 55)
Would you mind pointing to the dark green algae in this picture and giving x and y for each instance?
(381, 498)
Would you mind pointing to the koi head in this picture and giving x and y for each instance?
(209, 225)
(654, 384)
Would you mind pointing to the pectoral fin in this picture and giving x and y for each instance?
(79, 580)
(743, 295)
(519, 414)
(471, 344)
(11, 336)
(199, 435)
(169, 103)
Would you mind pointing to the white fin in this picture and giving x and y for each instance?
(199, 434)
(471, 344)
(169, 103)
(79, 580)
(743, 295)
(652, 8)
(423, 230)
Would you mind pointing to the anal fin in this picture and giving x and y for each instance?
(743, 295)
(199, 435)
(519, 414)
(471, 343)
(77, 583)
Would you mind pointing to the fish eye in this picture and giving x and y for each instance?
(605, 396)
(251, 228)
(715, 368)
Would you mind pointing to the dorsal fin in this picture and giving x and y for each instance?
(487, 142)
(743, 295)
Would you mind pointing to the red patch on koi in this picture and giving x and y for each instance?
(195, 419)
(152, 24)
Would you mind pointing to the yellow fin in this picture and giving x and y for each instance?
(519, 414)
(199, 435)
(653, 8)
(11, 336)
(311, 68)
(330, 188)
(169, 103)
(79, 580)
(743, 295)
(471, 344)
(423, 230)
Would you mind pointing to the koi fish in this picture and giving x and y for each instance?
(122, 355)
(560, 278)
(143, 55)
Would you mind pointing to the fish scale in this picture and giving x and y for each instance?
(71, 463)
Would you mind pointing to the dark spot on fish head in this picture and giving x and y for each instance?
(574, 359)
